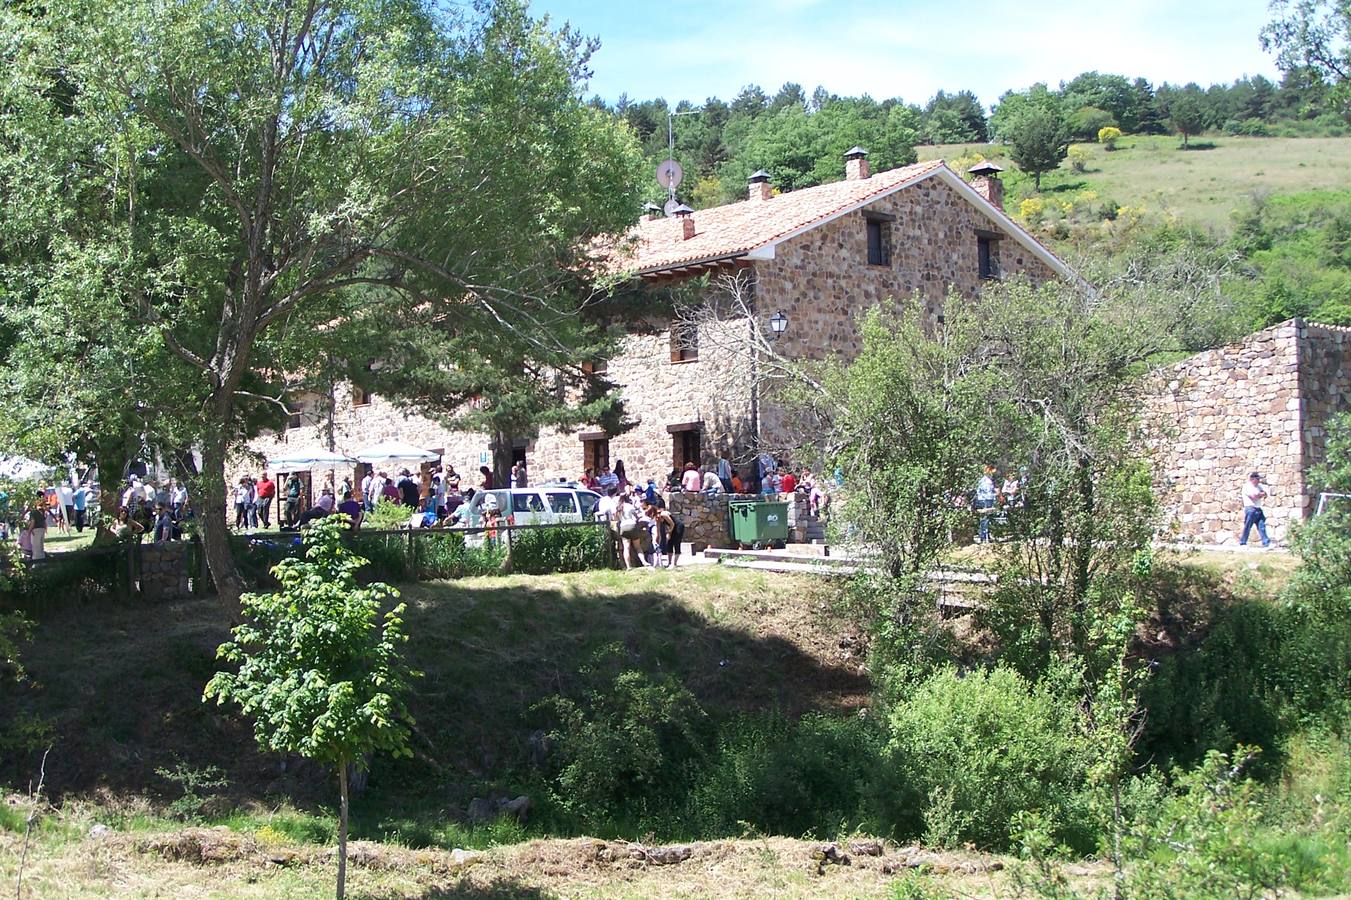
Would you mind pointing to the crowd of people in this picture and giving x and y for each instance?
(161, 511)
(764, 476)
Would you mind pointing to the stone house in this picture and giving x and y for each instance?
(817, 258)
(1261, 404)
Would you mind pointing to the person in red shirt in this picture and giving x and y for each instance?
(264, 491)
(789, 484)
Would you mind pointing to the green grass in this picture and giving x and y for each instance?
(57, 542)
(1197, 186)
(117, 688)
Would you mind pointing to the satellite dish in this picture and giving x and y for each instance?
(671, 206)
(669, 174)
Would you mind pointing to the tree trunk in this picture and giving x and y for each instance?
(1082, 554)
(211, 517)
(501, 449)
(342, 829)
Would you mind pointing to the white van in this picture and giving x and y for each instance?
(542, 504)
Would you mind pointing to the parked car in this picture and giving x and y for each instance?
(540, 504)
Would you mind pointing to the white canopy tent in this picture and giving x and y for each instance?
(310, 459)
(20, 468)
(394, 453)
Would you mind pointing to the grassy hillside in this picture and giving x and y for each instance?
(117, 688)
(1201, 186)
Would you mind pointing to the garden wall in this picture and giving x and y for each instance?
(1261, 404)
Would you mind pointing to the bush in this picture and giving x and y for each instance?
(626, 752)
(975, 751)
(1109, 136)
(784, 777)
(1214, 839)
(545, 550)
(386, 516)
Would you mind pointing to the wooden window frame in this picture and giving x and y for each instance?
(881, 226)
(987, 255)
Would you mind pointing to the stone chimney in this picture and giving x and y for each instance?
(651, 212)
(759, 185)
(985, 179)
(856, 164)
(685, 216)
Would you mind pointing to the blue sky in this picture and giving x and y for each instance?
(691, 49)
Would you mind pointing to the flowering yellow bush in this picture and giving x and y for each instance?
(270, 837)
(1088, 196)
(1078, 159)
(1031, 209)
(1109, 136)
(1067, 206)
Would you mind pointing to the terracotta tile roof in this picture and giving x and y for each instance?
(738, 228)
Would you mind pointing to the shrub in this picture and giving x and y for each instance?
(975, 751)
(625, 751)
(544, 550)
(1109, 136)
(1078, 158)
(1213, 839)
(785, 777)
(387, 515)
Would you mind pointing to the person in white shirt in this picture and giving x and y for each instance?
(712, 484)
(131, 496)
(368, 497)
(1254, 492)
(65, 506)
(608, 503)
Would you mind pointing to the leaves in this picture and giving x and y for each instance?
(319, 666)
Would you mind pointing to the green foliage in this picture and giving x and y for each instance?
(1036, 131)
(387, 515)
(820, 774)
(319, 670)
(544, 551)
(197, 788)
(626, 749)
(1213, 839)
(1087, 121)
(1186, 115)
(972, 751)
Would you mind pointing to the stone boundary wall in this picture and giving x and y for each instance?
(1325, 391)
(705, 517)
(165, 570)
(1217, 416)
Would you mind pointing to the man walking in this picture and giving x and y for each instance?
(1254, 492)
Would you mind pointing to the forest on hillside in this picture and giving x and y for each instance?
(800, 138)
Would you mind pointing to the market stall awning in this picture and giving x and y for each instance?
(390, 453)
(309, 459)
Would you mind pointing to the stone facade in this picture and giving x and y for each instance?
(1261, 404)
(165, 570)
(705, 517)
(821, 280)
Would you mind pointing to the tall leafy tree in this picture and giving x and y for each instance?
(247, 172)
(1314, 37)
(319, 668)
(1186, 114)
(1038, 138)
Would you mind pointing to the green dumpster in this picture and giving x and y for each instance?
(758, 523)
